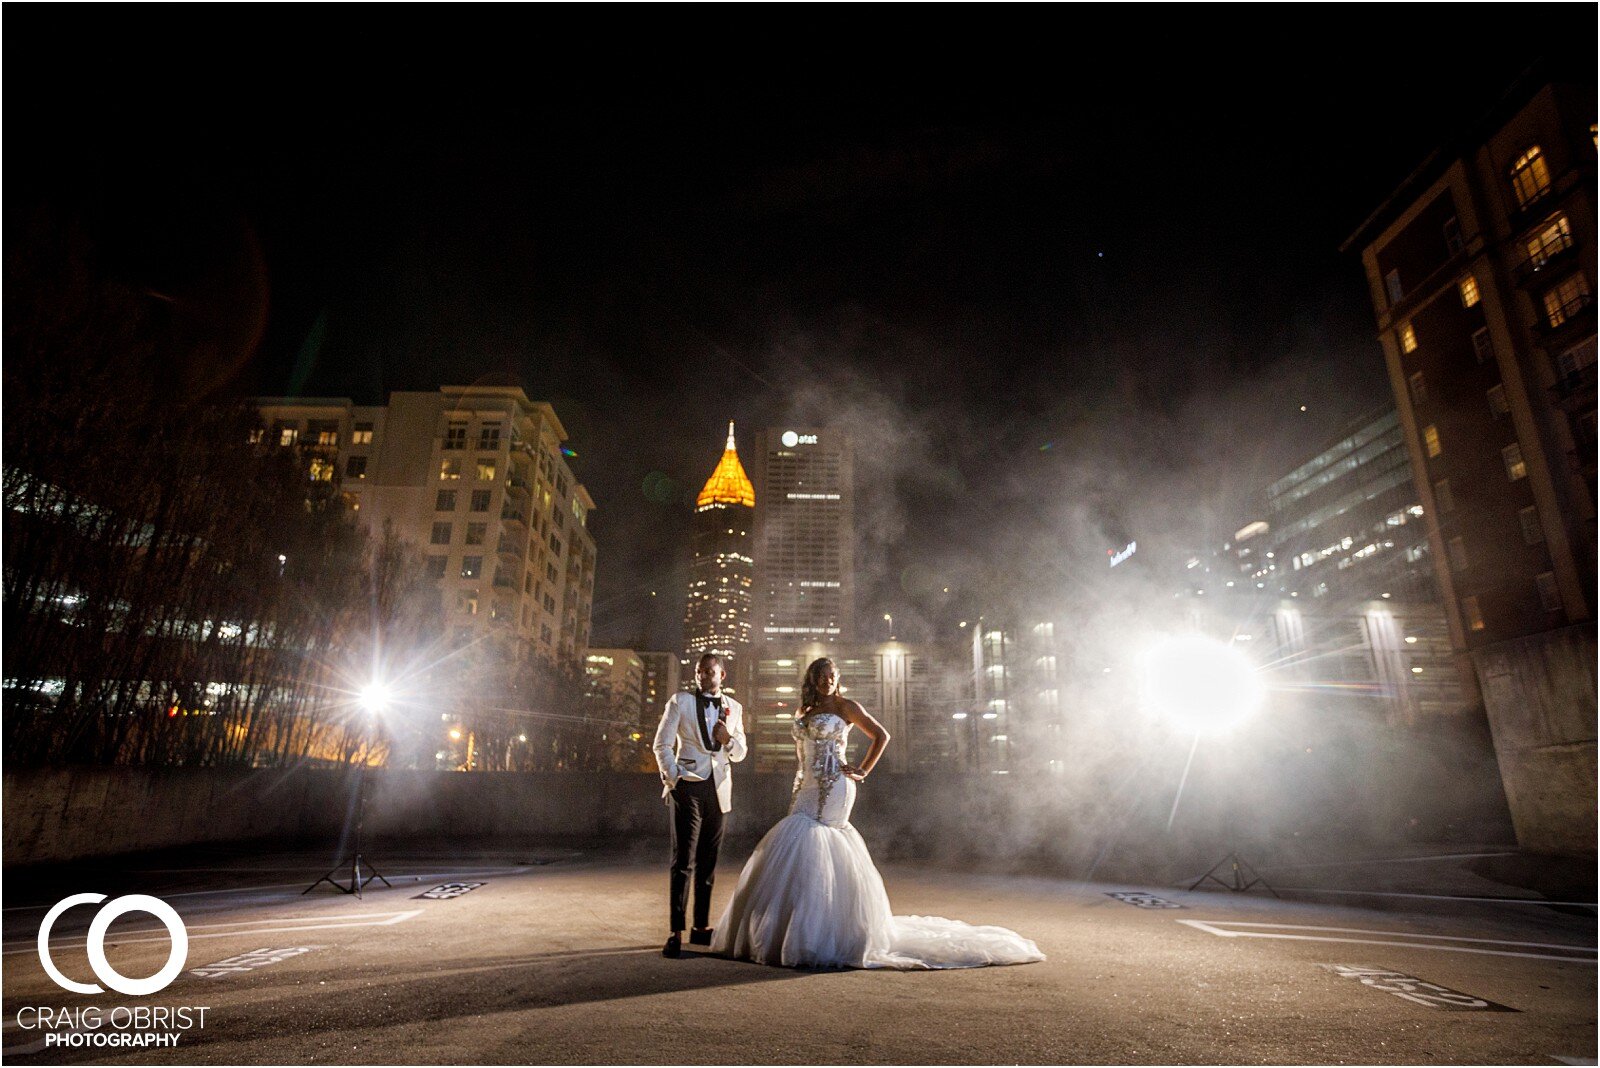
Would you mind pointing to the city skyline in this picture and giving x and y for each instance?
(1021, 294)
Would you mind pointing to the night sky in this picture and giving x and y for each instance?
(1063, 288)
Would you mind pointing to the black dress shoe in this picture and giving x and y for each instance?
(674, 946)
(700, 936)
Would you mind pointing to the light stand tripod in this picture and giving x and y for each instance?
(1240, 869)
(358, 879)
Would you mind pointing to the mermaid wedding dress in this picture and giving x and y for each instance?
(809, 896)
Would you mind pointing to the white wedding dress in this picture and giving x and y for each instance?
(809, 896)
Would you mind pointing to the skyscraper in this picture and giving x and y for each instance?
(805, 536)
(721, 574)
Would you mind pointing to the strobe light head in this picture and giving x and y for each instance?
(374, 698)
(1203, 685)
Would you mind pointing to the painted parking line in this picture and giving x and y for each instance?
(240, 929)
(1408, 939)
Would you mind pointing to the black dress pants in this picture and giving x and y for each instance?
(696, 839)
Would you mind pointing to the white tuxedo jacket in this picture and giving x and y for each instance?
(681, 751)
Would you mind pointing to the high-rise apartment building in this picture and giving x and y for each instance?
(722, 567)
(1481, 268)
(662, 672)
(475, 478)
(805, 536)
(614, 683)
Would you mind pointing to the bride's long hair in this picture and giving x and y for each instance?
(810, 693)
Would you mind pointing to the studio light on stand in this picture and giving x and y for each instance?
(373, 702)
(1207, 687)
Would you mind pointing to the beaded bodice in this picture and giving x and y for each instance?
(822, 737)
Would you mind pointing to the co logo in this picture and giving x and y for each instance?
(97, 944)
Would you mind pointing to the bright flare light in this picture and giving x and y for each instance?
(374, 697)
(1203, 684)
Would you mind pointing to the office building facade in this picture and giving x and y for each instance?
(1481, 269)
(805, 537)
(475, 479)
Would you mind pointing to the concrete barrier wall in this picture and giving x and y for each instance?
(75, 813)
(1540, 696)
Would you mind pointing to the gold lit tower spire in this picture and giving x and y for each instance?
(716, 617)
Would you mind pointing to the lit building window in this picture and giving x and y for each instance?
(256, 435)
(1408, 338)
(287, 435)
(1498, 405)
(321, 469)
(1549, 593)
(327, 437)
(1530, 176)
(485, 470)
(1469, 609)
(1566, 299)
(1532, 529)
(1430, 437)
(1482, 346)
(1469, 291)
(449, 470)
(1419, 388)
(362, 434)
(1458, 553)
(1553, 237)
(1515, 468)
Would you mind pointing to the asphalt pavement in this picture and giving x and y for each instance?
(550, 954)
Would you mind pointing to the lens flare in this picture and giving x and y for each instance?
(1201, 683)
(374, 698)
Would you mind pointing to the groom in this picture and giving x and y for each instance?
(700, 733)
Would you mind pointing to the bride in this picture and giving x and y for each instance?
(809, 896)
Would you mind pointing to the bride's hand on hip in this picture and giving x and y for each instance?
(850, 771)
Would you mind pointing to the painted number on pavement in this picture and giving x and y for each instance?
(446, 891)
(1144, 901)
(249, 962)
(1411, 988)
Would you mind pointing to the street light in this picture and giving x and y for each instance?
(889, 617)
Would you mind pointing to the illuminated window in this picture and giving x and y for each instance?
(449, 470)
(321, 469)
(1515, 468)
(445, 501)
(256, 435)
(440, 534)
(355, 467)
(327, 437)
(1444, 499)
(1408, 338)
(455, 436)
(287, 435)
(1469, 291)
(1549, 593)
(1482, 347)
(1553, 237)
(1566, 299)
(489, 437)
(1469, 608)
(471, 566)
(1419, 388)
(362, 434)
(480, 500)
(1458, 553)
(435, 567)
(1498, 405)
(1391, 283)
(1430, 437)
(1530, 176)
(476, 533)
(1532, 529)
(485, 470)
